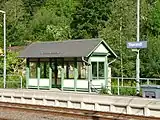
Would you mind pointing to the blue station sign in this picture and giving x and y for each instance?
(140, 44)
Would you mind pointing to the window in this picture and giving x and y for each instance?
(44, 69)
(82, 70)
(33, 70)
(97, 70)
(69, 70)
(101, 70)
(94, 70)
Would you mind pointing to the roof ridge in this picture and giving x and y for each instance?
(82, 39)
(61, 41)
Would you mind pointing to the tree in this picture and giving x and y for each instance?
(31, 6)
(16, 22)
(112, 20)
(52, 21)
(14, 66)
(121, 27)
(150, 56)
(154, 19)
(89, 18)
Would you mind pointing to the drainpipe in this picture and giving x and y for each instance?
(85, 61)
(89, 74)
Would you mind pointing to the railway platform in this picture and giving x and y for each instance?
(79, 100)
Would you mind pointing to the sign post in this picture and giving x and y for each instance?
(138, 60)
(136, 46)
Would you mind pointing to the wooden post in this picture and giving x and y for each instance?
(55, 71)
(50, 73)
(118, 85)
(75, 74)
(62, 74)
(38, 73)
(97, 70)
(106, 72)
(27, 72)
(89, 75)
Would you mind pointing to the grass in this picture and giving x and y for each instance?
(12, 82)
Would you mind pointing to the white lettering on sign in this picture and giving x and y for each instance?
(141, 44)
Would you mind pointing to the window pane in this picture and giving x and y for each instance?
(94, 70)
(69, 70)
(33, 70)
(101, 70)
(82, 70)
(44, 68)
(59, 71)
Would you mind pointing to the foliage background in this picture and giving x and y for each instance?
(113, 20)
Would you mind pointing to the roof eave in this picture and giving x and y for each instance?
(94, 49)
(52, 56)
(107, 46)
(112, 52)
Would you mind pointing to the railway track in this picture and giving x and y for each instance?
(70, 112)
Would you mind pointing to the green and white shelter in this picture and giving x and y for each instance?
(69, 65)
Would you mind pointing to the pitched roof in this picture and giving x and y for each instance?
(68, 48)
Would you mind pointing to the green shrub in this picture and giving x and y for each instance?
(103, 90)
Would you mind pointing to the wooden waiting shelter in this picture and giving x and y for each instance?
(71, 64)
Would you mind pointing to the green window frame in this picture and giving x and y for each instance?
(97, 70)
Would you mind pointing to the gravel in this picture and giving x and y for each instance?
(6, 113)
